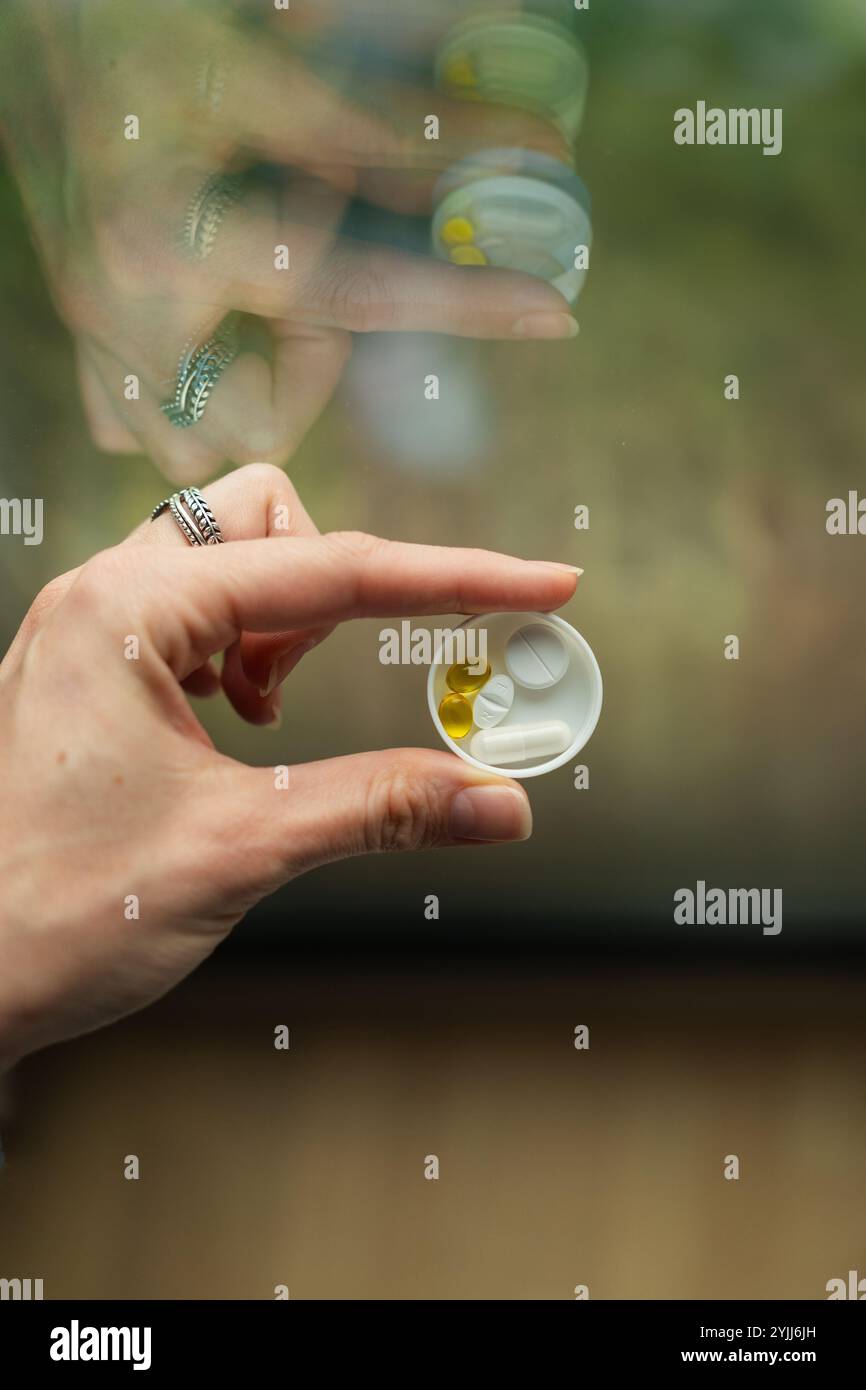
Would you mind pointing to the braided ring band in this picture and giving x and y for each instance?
(206, 211)
(198, 372)
(193, 516)
(211, 82)
(205, 519)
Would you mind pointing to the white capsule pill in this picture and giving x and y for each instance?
(493, 701)
(536, 656)
(514, 743)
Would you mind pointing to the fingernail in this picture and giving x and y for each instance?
(277, 721)
(572, 569)
(490, 813)
(545, 326)
(266, 689)
(285, 664)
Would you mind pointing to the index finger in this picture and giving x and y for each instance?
(271, 102)
(365, 288)
(197, 601)
(374, 142)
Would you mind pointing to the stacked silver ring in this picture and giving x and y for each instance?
(206, 211)
(193, 516)
(198, 372)
(211, 82)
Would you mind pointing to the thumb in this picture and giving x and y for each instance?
(397, 799)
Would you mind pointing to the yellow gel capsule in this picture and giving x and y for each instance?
(459, 71)
(466, 681)
(467, 255)
(457, 231)
(455, 712)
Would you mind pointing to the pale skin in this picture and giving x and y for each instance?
(112, 786)
(108, 214)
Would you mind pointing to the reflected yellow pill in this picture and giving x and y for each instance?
(467, 255)
(457, 230)
(466, 681)
(459, 72)
(455, 712)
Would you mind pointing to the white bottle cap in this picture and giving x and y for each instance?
(544, 727)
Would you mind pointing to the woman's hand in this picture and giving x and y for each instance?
(211, 95)
(129, 847)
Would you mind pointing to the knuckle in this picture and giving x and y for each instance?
(111, 243)
(356, 547)
(402, 814)
(266, 478)
(127, 252)
(110, 254)
(48, 598)
(357, 295)
(126, 268)
(99, 578)
(280, 505)
(358, 553)
(78, 301)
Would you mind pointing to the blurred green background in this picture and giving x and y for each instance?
(706, 516)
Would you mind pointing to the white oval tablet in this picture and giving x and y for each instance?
(536, 657)
(493, 701)
(514, 743)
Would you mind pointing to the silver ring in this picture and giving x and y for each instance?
(206, 211)
(211, 82)
(193, 516)
(198, 372)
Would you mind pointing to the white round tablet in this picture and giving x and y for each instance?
(493, 702)
(536, 656)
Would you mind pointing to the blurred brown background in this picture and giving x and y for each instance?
(557, 1167)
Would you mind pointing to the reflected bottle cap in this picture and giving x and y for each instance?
(518, 60)
(513, 163)
(514, 210)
